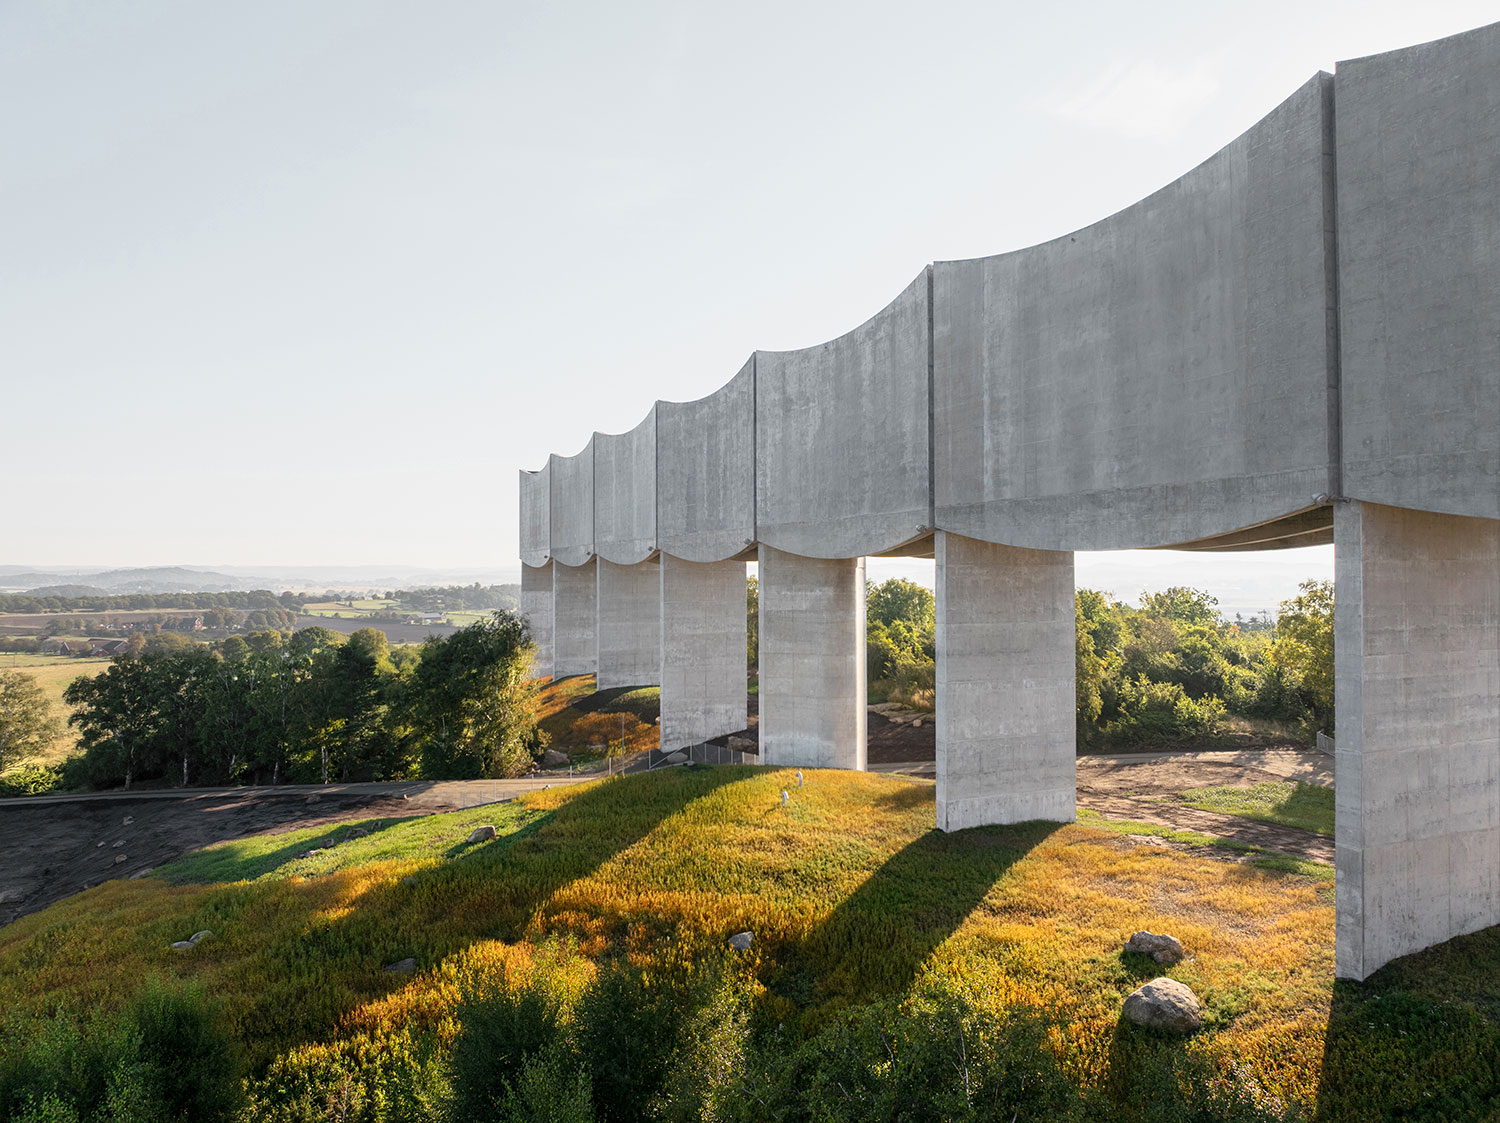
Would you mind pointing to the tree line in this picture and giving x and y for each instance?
(145, 602)
(311, 706)
(1173, 669)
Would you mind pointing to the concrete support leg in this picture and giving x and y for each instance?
(703, 650)
(812, 660)
(575, 619)
(536, 607)
(1006, 728)
(1417, 766)
(629, 624)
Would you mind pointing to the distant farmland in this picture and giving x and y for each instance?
(396, 633)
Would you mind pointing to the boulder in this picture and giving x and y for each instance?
(742, 744)
(553, 758)
(128, 820)
(184, 945)
(119, 858)
(679, 757)
(197, 936)
(1164, 1004)
(740, 941)
(119, 844)
(481, 834)
(406, 966)
(1166, 950)
(357, 832)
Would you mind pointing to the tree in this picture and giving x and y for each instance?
(474, 698)
(1183, 605)
(27, 723)
(752, 623)
(1304, 646)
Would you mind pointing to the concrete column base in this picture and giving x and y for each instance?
(1417, 764)
(703, 651)
(575, 619)
(536, 607)
(629, 624)
(1006, 704)
(812, 661)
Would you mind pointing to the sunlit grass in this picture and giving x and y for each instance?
(1288, 803)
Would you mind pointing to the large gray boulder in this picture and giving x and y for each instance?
(552, 758)
(1166, 950)
(481, 834)
(741, 941)
(1164, 1004)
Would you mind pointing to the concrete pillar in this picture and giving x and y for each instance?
(1417, 765)
(1006, 705)
(812, 660)
(629, 624)
(536, 607)
(575, 619)
(702, 650)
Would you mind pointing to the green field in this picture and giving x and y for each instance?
(53, 673)
(1286, 802)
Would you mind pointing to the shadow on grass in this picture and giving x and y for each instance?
(876, 940)
(320, 969)
(1419, 1039)
(225, 863)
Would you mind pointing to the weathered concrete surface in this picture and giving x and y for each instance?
(1161, 376)
(536, 516)
(842, 464)
(703, 650)
(1419, 274)
(536, 607)
(812, 660)
(575, 619)
(1006, 737)
(572, 506)
(1417, 687)
(625, 493)
(706, 472)
(629, 624)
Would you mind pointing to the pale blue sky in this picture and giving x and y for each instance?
(306, 282)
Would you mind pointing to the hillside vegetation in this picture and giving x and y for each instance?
(581, 955)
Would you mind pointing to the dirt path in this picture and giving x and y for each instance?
(1141, 788)
(55, 846)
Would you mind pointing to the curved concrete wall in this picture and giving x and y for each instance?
(841, 430)
(536, 516)
(1161, 376)
(572, 506)
(706, 472)
(625, 493)
(1206, 368)
(1419, 274)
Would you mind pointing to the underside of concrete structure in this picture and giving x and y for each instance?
(1295, 342)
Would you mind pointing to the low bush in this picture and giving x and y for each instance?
(1152, 712)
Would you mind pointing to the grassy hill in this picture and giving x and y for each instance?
(860, 913)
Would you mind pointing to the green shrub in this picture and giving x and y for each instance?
(626, 1028)
(502, 1029)
(30, 779)
(1152, 712)
(165, 1058)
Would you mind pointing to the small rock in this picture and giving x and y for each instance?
(402, 967)
(197, 936)
(128, 820)
(740, 941)
(313, 798)
(101, 843)
(119, 858)
(1166, 950)
(140, 873)
(119, 844)
(916, 723)
(184, 945)
(481, 834)
(552, 758)
(408, 881)
(357, 832)
(1164, 1004)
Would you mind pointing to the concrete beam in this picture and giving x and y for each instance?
(575, 619)
(629, 624)
(812, 660)
(1006, 732)
(536, 607)
(703, 651)
(1417, 766)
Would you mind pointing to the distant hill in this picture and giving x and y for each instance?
(69, 591)
(161, 579)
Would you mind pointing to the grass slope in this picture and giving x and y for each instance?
(1286, 802)
(54, 674)
(850, 893)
